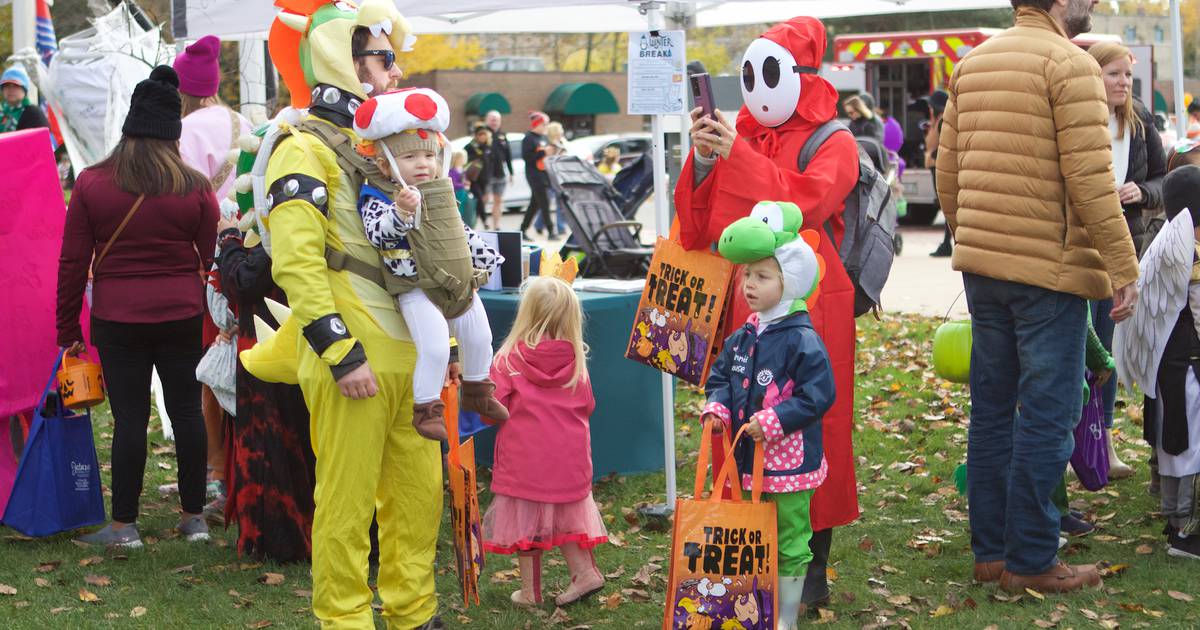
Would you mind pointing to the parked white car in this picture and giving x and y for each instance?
(516, 195)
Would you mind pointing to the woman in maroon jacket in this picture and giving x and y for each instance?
(146, 224)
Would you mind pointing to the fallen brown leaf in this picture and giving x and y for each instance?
(305, 593)
(942, 611)
(98, 580)
(87, 562)
(187, 568)
(899, 600)
(47, 567)
(1109, 624)
(827, 616)
(612, 601)
(137, 611)
(61, 609)
(7, 590)
(1035, 594)
(259, 624)
(88, 596)
(620, 571)
(42, 582)
(271, 579)
(636, 594)
(559, 616)
(1144, 550)
(1183, 597)
(1042, 623)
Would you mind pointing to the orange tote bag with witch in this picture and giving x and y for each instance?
(679, 322)
(723, 552)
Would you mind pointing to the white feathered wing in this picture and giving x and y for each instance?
(1166, 269)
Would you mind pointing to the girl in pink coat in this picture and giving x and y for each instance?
(542, 477)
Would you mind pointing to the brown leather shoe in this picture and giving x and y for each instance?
(478, 396)
(1061, 578)
(428, 420)
(986, 572)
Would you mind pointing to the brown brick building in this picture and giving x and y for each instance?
(585, 102)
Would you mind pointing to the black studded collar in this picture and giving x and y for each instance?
(334, 104)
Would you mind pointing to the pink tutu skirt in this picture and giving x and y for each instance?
(512, 525)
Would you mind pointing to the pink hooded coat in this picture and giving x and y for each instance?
(544, 449)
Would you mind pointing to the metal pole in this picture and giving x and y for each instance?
(662, 222)
(24, 29)
(1181, 121)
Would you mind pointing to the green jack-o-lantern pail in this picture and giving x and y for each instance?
(952, 351)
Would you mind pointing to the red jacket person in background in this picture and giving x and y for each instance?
(733, 168)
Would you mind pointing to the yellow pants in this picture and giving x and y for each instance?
(370, 460)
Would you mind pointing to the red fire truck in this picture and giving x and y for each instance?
(901, 68)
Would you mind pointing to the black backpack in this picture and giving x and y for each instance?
(867, 248)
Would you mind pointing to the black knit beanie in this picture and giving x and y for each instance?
(1181, 189)
(154, 110)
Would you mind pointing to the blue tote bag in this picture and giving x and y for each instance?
(57, 487)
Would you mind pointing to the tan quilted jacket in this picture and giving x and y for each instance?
(1024, 170)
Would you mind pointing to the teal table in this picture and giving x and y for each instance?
(627, 434)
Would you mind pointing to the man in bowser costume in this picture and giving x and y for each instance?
(734, 167)
(345, 343)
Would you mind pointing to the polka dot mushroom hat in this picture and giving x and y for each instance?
(413, 119)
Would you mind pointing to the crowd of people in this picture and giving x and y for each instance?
(1048, 212)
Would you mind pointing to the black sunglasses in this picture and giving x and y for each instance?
(389, 57)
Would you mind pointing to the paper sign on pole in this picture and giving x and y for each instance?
(657, 72)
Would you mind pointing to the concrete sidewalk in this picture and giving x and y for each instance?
(920, 283)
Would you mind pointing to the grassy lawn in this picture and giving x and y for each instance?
(906, 563)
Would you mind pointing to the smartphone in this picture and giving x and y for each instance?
(702, 94)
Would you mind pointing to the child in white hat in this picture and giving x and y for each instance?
(436, 262)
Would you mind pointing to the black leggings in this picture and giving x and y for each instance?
(128, 352)
(539, 201)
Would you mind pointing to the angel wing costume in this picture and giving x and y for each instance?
(1158, 348)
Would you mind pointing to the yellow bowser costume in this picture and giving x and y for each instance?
(370, 460)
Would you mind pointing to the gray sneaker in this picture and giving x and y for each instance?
(125, 537)
(194, 529)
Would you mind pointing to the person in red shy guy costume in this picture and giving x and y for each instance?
(734, 167)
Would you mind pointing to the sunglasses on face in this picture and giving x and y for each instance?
(389, 57)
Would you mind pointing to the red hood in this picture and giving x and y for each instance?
(550, 364)
(804, 37)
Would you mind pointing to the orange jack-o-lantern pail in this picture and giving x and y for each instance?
(80, 383)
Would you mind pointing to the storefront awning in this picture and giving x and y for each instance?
(581, 99)
(481, 103)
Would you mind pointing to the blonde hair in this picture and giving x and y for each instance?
(190, 104)
(458, 158)
(554, 132)
(1105, 53)
(859, 106)
(549, 309)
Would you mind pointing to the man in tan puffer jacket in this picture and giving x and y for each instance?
(1025, 181)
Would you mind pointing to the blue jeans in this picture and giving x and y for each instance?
(560, 220)
(1104, 325)
(1026, 396)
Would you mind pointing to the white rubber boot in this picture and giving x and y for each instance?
(791, 598)
(1117, 469)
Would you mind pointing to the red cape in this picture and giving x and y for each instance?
(763, 167)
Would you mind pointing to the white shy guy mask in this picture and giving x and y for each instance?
(770, 82)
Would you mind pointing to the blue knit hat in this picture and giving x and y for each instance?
(17, 76)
